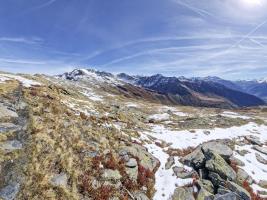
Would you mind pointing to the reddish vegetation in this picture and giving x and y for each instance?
(253, 195)
(144, 175)
(180, 152)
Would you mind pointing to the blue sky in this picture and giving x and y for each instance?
(226, 38)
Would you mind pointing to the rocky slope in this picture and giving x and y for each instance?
(195, 92)
(93, 138)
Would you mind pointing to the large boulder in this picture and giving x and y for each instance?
(183, 194)
(215, 163)
(206, 184)
(204, 195)
(146, 159)
(219, 148)
(195, 159)
(216, 179)
(170, 162)
(10, 191)
(238, 190)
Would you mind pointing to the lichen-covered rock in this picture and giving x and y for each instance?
(196, 159)
(203, 194)
(216, 179)
(217, 164)
(169, 163)
(237, 161)
(242, 176)
(146, 159)
(132, 172)
(260, 159)
(6, 112)
(132, 163)
(206, 184)
(10, 145)
(219, 148)
(182, 194)
(111, 175)
(180, 172)
(238, 190)
(253, 140)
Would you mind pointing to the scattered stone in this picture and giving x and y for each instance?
(132, 163)
(237, 161)
(4, 127)
(238, 190)
(9, 192)
(147, 160)
(206, 132)
(260, 149)
(169, 163)
(254, 140)
(11, 145)
(242, 176)
(111, 175)
(260, 159)
(132, 173)
(219, 148)
(242, 152)
(180, 172)
(182, 194)
(263, 184)
(217, 164)
(60, 180)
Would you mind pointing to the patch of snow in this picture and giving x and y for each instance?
(159, 117)
(131, 105)
(253, 167)
(234, 115)
(91, 95)
(25, 82)
(180, 114)
(3, 79)
(166, 180)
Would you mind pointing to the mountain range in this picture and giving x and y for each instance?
(206, 92)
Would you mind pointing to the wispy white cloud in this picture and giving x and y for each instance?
(34, 40)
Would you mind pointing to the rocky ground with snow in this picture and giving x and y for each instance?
(83, 139)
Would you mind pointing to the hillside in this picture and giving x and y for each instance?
(93, 137)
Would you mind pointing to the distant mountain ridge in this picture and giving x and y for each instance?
(207, 92)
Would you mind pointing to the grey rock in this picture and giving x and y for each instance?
(9, 192)
(196, 159)
(59, 180)
(254, 140)
(222, 190)
(204, 195)
(111, 175)
(206, 184)
(169, 163)
(217, 164)
(242, 176)
(260, 149)
(237, 161)
(216, 179)
(180, 172)
(11, 145)
(5, 127)
(147, 160)
(241, 192)
(132, 163)
(132, 173)
(260, 159)
(6, 112)
(219, 148)
(182, 194)
(228, 196)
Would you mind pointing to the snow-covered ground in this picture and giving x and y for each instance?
(166, 182)
(234, 115)
(25, 82)
(159, 117)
